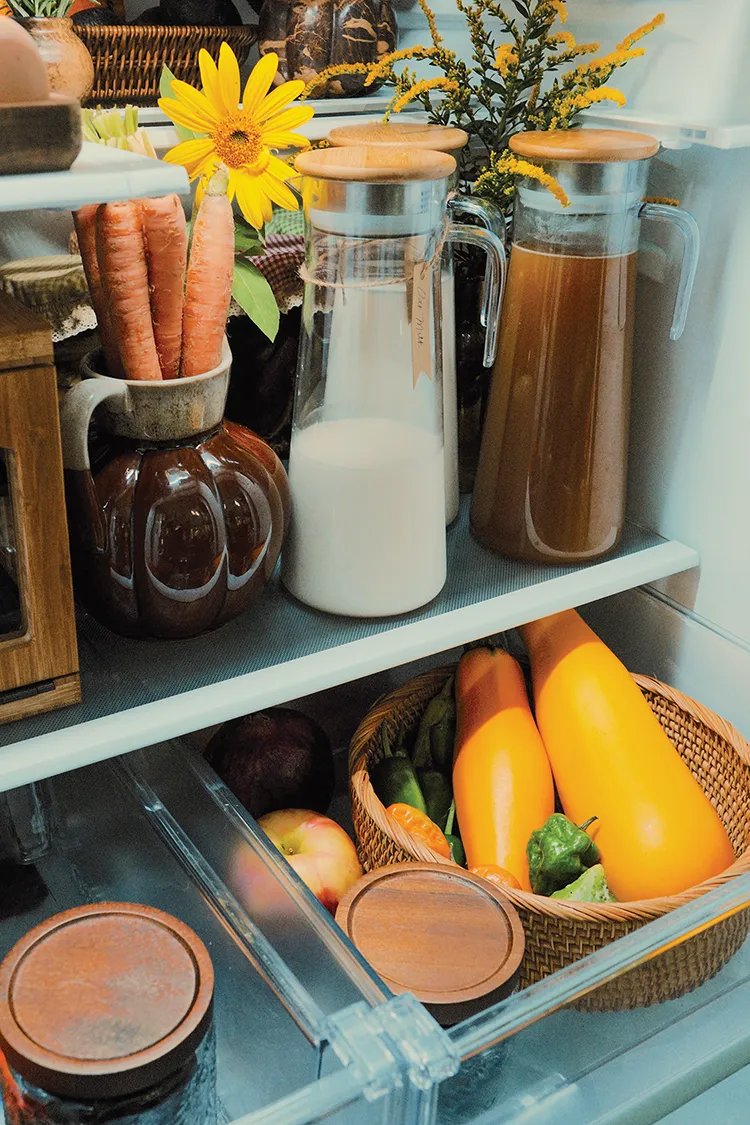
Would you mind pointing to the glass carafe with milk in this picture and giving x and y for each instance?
(366, 461)
(552, 471)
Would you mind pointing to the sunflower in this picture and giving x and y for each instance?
(239, 135)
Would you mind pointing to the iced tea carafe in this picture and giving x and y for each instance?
(552, 469)
(366, 459)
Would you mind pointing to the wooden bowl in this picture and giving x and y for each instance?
(40, 136)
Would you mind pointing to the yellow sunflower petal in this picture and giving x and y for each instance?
(229, 78)
(279, 99)
(197, 103)
(284, 139)
(279, 193)
(279, 169)
(252, 200)
(192, 155)
(232, 185)
(259, 82)
(291, 118)
(181, 115)
(210, 81)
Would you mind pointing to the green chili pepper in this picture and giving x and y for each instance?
(394, 779)
(437, 729)
(592, 886)
(458, 855)
(559, 852)
(452, 835)
(438, 795)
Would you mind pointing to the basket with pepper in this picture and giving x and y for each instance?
(577, 913)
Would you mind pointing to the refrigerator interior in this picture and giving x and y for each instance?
(306, 1032)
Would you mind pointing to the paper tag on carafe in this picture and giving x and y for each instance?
(421, 312)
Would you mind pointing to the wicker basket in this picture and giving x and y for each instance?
(559, 933)
(128, 60)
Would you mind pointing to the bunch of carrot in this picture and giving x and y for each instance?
(160, 316)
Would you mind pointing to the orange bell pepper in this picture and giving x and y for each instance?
(418, 824)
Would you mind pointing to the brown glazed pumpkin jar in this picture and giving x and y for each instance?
(320, 33)
(176, 517)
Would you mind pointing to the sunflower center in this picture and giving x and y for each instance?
(237, 140)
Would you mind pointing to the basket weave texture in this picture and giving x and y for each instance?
(557, 932)
(128, 61)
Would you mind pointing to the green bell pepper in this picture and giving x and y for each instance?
(558, 853)
(592, 886)
(394, 778)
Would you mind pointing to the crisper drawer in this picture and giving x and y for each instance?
(565, 1052)
(292, 998)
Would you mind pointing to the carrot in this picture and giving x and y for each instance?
(656, 829)
(122, 264)
(165, 231)
(502, 781)
(85, 224)
(209, 280)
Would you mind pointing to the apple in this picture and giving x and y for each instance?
(318, 849)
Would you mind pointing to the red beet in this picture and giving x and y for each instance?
(274, 759)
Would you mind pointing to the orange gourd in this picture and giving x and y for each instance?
(502, 781)
(657, 831)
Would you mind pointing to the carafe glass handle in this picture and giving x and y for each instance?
(494, 278)
(492, 219)
(688, 227)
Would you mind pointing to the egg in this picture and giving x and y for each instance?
(23, 75)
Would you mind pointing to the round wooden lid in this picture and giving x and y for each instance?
(104, 1001)
(585, 146)
(437, 138)
(449, 937)
(375, 164)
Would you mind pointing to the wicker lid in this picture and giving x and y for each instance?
(437, 138)
(585, 146)
(104, 1001)
(375, 164)
(449, 937)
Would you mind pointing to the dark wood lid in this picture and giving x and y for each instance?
(437, 138)
(104, 1001)
(449, 937)
(585, 146)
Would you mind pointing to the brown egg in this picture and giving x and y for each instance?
(23, 75)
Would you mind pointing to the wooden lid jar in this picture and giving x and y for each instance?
(373, 191)
(106, 1002)
(450, 938)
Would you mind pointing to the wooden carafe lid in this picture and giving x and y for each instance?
(584, 146)
(449, 937)
(436, 138)
(375, 164)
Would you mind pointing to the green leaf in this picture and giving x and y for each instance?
(246, 239)
(255, 296)
(165, 91)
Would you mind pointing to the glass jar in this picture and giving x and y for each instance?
(106, 1015)
(552, 471)
(366, 466)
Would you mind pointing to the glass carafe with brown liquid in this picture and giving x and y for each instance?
(552, 470)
